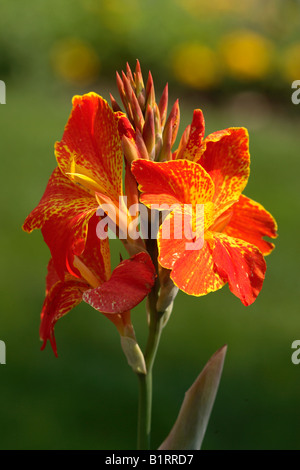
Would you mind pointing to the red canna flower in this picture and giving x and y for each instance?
(90, 162)
(111, 294)
(89, 173)
(212, 172)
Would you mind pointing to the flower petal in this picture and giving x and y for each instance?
(241, 264)
(193, 147)
(173, 182)
(182, 230)
(130, 282)
(96, 254)
(91, 144)
(250, 222)
(62, 214)
(63, 295)
(194, 272)
(226, 158)
(60, 299)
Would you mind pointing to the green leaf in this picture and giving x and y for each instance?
(189, 428)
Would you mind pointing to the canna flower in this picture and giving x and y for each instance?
(89, 173)
(111, 294)
(213, 173)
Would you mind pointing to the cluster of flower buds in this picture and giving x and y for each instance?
(155, 133)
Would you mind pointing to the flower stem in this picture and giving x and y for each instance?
(145, 383)
(144, 411)
(145, 380)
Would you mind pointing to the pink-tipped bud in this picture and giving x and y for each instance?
(173, 121)
(158, 129)
(149, 132)
(163, 106)
(120, 86)
(166, 152)
(139, 86)
(127, 86)
(183, 142)
(114, 104)
(150, 92)
(129, 149)
(142, 149)
(124, 98)
(129, 75)
(137, 113)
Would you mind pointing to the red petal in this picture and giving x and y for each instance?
(250, 222)
(124, 126)
(91, 144)
(96, 254)
(193, 148)
(173, 182)
(241, 264)
(194, 272)
(62, 297)
(130, 282)
(226, 158)
(63, 214)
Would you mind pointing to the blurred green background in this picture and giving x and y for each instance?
(236, 61)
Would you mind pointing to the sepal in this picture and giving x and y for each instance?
(189, 429)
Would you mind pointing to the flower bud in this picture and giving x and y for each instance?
(140, 87)
(163, 106)
(174, 117)
(149, 131)
(116, 108)
(150, 93)
(132, 351)
(143, 152)
(129, 149)
(168, 291)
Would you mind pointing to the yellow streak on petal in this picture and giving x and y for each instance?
(86, 182)
(86, 273)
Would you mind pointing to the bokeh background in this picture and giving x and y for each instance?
(235, 60)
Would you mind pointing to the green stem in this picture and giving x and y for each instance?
(145, 384)
(144, 411)
(145, 381)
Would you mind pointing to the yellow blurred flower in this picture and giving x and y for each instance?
(75, 61)
(215, 7)
(118, 16)
(290, 67)
(196, 65)
(246, 55)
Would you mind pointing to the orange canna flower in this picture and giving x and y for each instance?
(113, 295)
(89, 173)
(213, 173)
